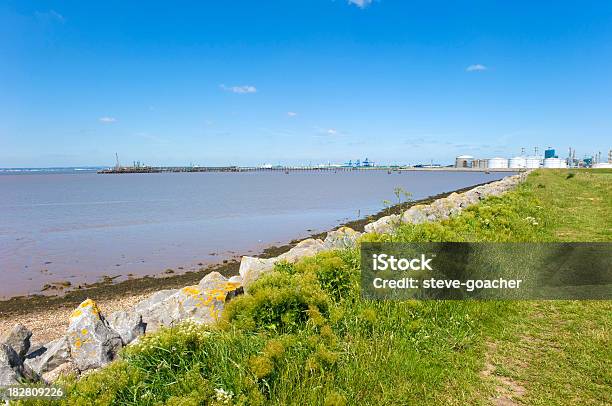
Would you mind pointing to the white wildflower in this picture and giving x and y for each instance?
(223, 396)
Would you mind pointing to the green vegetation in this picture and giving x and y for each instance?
(304, 336)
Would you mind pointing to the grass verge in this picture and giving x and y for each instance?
(304, 336)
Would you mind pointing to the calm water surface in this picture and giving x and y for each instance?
(79, 227)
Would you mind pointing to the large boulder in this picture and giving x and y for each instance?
(128, 325)
(342, 238)
(11, 366)
(442, 209)
(416, 214)
(469, 198)
(153, 300)
(383, 225)
(213, 280)
(19, 339)
(236, 279)
(56, 353)
(202, 303)
(252, 268)
(93, 343)
(305, 248)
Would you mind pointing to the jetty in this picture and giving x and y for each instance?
(287, 169)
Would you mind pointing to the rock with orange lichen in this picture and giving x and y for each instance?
(202, 303)
(92, 341)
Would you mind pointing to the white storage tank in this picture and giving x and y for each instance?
(533, 162)
(479, 163)
(497, 163)
(555, 163)
(518, 162)
(464, 161)
(602, 165)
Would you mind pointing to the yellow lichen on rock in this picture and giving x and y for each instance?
(86, 304)
(191, 290)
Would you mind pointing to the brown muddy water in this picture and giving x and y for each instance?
(70, 229)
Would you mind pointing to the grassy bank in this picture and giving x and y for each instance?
(304, 336)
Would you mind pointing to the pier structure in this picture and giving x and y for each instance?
(288, 169)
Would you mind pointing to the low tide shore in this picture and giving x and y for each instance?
(48, 315)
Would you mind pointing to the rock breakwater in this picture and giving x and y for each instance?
(93, 339)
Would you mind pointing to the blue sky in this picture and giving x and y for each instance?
(248, 82)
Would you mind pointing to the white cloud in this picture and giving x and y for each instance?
(292, 113)
(50, 15)
(107, 120)
(360, 3)
(240, 89)
(329, 132)
(476, 68)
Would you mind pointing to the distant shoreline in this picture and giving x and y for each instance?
(102, 291)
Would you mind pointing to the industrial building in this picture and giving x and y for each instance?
(549, 160)
(550, 153)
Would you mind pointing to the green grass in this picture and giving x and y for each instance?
(304, 336)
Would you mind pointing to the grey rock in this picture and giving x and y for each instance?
(342, 238)
(55, 353)
(9, 376)
(64, 369)
(212, 281)
(416, 214)
(252, 268)
(159, 315)
(19, 339)
(35, 350)
(469, 198)
(383, 225)
(128, 325)
(305, 248)
(91, 340)
(189, 303)
(11, 366)
(202, 303)
(153, 300)
(236, 279)
(8, 356)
